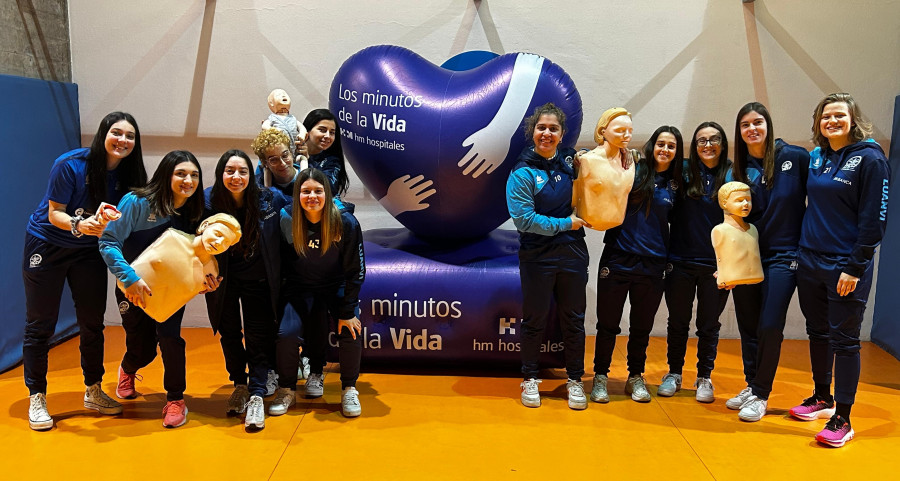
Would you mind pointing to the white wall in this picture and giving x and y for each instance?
(196, 74)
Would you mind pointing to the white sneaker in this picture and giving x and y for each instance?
(38, 417)
(736, 402)
(315, 385)
(284, 399)
(303, 368)
(96, 399)
(237, 402)
(531, 397)
(637, 387)
(577, 399)
(350, 402)
(271, 383)
(753, 409)
(255, 419)
(705, 390)
(599, 394)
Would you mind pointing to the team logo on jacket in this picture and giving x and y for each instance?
(79, 211)
(35, 260)
(123, 307)
(786, 165)
(673, 186)
(794, 265)
(604, 272)
(852, 163)
(569, 160)
(539, 180)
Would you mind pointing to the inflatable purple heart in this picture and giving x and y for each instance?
(435, 146)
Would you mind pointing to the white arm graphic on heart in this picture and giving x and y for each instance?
(490, 145)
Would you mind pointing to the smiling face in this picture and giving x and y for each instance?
(185, 179)
(709, 145)
(280, 161)
(321, 137)
(835, 123)
(217, 238)
(547, 134)
(120, 140)
(754, 130)
(618, 132)
(664, 150)
(312, 199)
(236, 175)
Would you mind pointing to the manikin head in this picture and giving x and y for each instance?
(734, 199)
(614, 127)
(219, 232)
(279, 102)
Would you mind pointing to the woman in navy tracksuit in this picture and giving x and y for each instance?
(323, 268)
(168, 200)
(61, 245)
(553, 256)
(849, 180)
(693, 262)
(251, 272)
(323, 146)
(633, 262)
(776, 173)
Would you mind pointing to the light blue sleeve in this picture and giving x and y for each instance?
(114, 236)
(287, 232)
(520, 192)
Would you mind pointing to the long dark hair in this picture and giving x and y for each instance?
(643, 191)
(158, 191)
(336, 150)
(332, 227)
(132, 173)
(694, 188)
(739, 166)
(221, 200)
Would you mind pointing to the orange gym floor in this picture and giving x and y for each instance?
(443, 426)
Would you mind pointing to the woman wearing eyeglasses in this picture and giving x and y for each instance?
(776, 173)
(692, 262)
(272, 146)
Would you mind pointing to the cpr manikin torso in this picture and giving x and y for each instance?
(281, 118)
(605, 174)
(175, 265)
(735, 241)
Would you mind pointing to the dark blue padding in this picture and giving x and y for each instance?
(886, 323)
(457, 304)
(38, 121)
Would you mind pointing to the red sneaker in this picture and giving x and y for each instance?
(174, 414)
(125, 388)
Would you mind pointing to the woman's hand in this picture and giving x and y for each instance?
(211, 283)
(578, 222)
(135, 293)
(302, 149)
(846, 284)
(91, 226)
(353, 325)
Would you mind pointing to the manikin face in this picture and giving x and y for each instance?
(836, 121)
(547, 134)
(217, 238)
(279, 102)
(709, 144)
(618, 132)
(312, 196)
(119, 140)
(321, 136)
(664, 150)
(280, 161)
(236, 175)
(185, 180)
(754, 129)
(739, 203)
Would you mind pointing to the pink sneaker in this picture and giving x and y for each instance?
(125, 388)
(174, 414)
(813, 408)
(836, 433)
